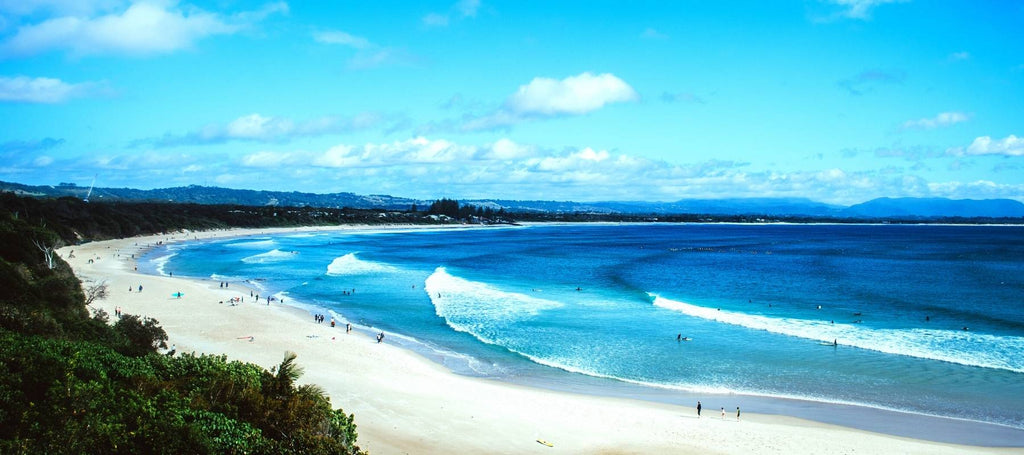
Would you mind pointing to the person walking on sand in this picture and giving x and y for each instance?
(723, 412)
(698, 409)
(737, 413)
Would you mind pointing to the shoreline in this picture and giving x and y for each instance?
(404, 402)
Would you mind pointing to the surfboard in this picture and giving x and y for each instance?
(545, 443)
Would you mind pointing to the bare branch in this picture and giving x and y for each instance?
(96, 292)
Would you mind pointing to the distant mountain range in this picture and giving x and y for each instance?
(894, 208)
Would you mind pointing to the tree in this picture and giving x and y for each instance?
(48, 252)
(141, 336)
(446, 207)
(95, 292)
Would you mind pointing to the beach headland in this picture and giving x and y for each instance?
(404, 403)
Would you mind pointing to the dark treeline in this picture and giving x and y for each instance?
(74, 383)
(75, 221)
(584, 217)
(453, 209)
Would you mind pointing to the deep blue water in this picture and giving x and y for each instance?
(760, 305)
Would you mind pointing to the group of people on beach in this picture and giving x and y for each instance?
(723, 411)
(319, 319)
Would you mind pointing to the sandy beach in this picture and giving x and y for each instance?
(404, 403)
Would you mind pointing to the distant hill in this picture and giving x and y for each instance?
(889, 208)
(216, 195)
(935, 207)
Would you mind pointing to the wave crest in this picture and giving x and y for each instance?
(349, 264)
(264, 243)
(955, 346)
(274, 255)
(478, 308)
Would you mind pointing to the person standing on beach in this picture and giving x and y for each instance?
(723, 412)
(737, 413)
(698, 409)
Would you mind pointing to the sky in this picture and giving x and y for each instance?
(838, 101)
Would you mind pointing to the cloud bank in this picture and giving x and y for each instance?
(41, 89)
(421, 166)
(144, 28)
(260, 128)
(942, 120)
(1009, 146)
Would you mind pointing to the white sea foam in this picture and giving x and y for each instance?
(349, 264)
(478, 308)
(956, 346)
(274, 255)
(219, 277)
(161, 262)
(304, 235)
(254, 244)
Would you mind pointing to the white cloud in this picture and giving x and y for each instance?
(575, 95)
(978, 189)
(381, 57)
(40, 89)
(256, 126)
(574, 161)
(546, 97)
(461, 9)
(435, 20)
(430, 167)
(959, 56)
(368, 54)
(60, 7)
(941, 120)
(468, 8)
(260, 128)
(1009, 146)
(859, 9)
(345, 39)
(419, 150)
(144, 28)
(266, 159)
(506, 149)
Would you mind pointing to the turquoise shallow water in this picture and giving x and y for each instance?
(601, 306)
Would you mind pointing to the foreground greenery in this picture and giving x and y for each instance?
(74, 383)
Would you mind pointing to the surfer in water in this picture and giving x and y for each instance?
(835, 342)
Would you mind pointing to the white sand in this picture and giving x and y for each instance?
(404, 403)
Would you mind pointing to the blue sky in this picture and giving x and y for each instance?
(838, 101)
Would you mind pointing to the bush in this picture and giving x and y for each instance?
(140, 336)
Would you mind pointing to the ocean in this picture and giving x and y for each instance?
(869, 325)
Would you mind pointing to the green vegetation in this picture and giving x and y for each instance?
(73, 383)
(453, 209)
